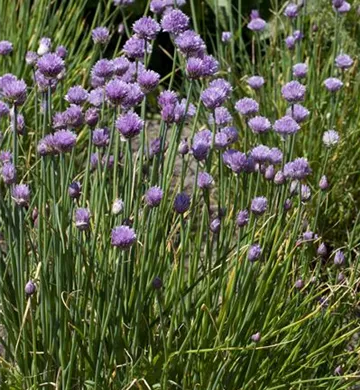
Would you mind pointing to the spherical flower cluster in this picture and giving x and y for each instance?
(120, 65)
(146, 28)
(242, 219)
(44, 46)
(117, 91)
(337, 3)
(222, 117)
(129, 124)
(82, 218)
(235, 160)
(343, 61)
(117, 206)
(30, 288)
(73, 116)
(175, 22)
(31, 58)
(293, 92)
(13, 90)
(214, 97)
(100, 35)
(74, 190)
(204, 180)
(254, 252)
(256, 82)
(260, 154)
(226, 36)
(201, 145)
(333, 84)
(50, 65)
(148, 80)
(77, 95)
(91, 116)
(4, 109)
(215, 225)
(64, 141)
(135, 48)
(61, 52)
(300, 70)
(339, 258)
(286, 126)
(297, 169)
(103, 69)
(298, 112)
(190, 44)
(21, 194)
(323, 183)
(291, 11)
(259, 124)
(181, 203)
(259, 205)
(6, 48)
(154, 196)
(8, 173)
(247, 106)
(330, 138)
(123, 237)
(345, 8)
(256, 23)
(101, 137)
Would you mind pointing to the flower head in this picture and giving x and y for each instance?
(182, 203)
(235, 160)
(100, 35)
(103, 69)
(259, 124)
(204, 180)
(293, 92)
(74, 190)
(242, 219)
(21, 194)
(129, 124)
(6, 48)
(175, 22)
(77, 95)
(8, 173)
(300, 70)
(330, 138)
(298, 112)
(259, 205)
(190, 44)
(64, 141)
(101, 137)
(14, 90)
(117, 91)
(146, 28)
(343, 61)
(297, 169)
(256, 82)
(30, 288)
(148, 80)
(44, 46)
(333, 84)
(247, 106)
(226, 36)
(339, 258)
(50, 65)
(117, 206)
(123, 237)
(254, 252)
(286, 126)
(291, 11)
(154, 196)
(82, 218)
(4, 109)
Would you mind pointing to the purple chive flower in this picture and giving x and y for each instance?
(91, 116)
(290, 42)
(73, 116)
(123, 237)
(345, 8)
(293, 92)
(134, 48)
(232, 134)
(148, 80)
(287, 204)
(210, 66)
(100, 35)
(300, 70)
(5, 156)
(50, 65)
(221, 140)
(44, 83)
(221, 84)
(153, 196)
(74, 190)
(46, 146)
(254, 252)
(299, 284)
(339, 258)
(61, 52)
(247, 106)
(183, 148)
(222, 117)
(77, 95)
(297, 169)
(103, 68)
(226, 36)
(175, 22)
(298, 112)
(59, 121)
(286, 126)
(4, 109)
(305, 193)
(5, 79)
(279, 178)
(269, 172)
(30, 288)
(322, 250)
(213, 97)
(121, 65)
(204, 180)
(275, 156)
(215, 225)
(259, 205)
(21, 194)
(116, 91)
(235, 160)
(8, 173)
(129, 124)
(146, 28)
(64, 141)
(298, 35)
(260, 153)
(330, 138)
(190, 44)
(337, 3)
(242, 219)
(82, 218)
(157, 283)
(333, 84)
(323, 183)
(134, 96)
(256, 82)
(101, 137)
(117, 206)
(44, 46)
(6, 48)
(343, 61)
(256, 337)
(200, 149)
(97, 97)
(291, 11)
(14, 90)
(256, 23)
(339, 371)
(194, 68)
(259, 124)
(181, 203)
(31, 58)
(167, 98)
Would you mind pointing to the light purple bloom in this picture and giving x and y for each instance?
(77, 95)
(298, 35)
(204, 180)
(339, 258)
(331, 138)
(129, 124)
(64, 141)
(97, 97)
(103, 68)
(297, 169)
(337, 3)
(305, 193)
(286, 126)
(50, 65)
(8, 173)
(154, 196)
(256, 337)
(333, 84)
(14, 90)
(215, 225)
(259, 205)
(5, 156)
(235, 160)
(31, 58)
(101, 137)
(293, 92)
(256, 82)
(275, 156)
(121, 66)
(300, 70)
(260, 153)
(134, 96)
(21, 194)
(183, 147)
(259, 124)
(148, 80)
(322, 250)
(182, 203)
(257, 24)
(343, 61)
(146, 28)
(100, 35)
(242, 219)
(74, 116)
(190, 44)
(91, 116)
(4, 109)
(222, 117)
(254, 252)
(123, 237)
(290, 42)
(74, 190)
(345, 8)
(30, 288)
(175, 22)
(298, 112)
(291, 11)
(226, 36)
(213, 97)
(6, 48)
(44, 46)
(61, 52)
(269, 172)
(323, 183)
(247, 106)
(279, 178)
(82, 218)
(116, 91)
